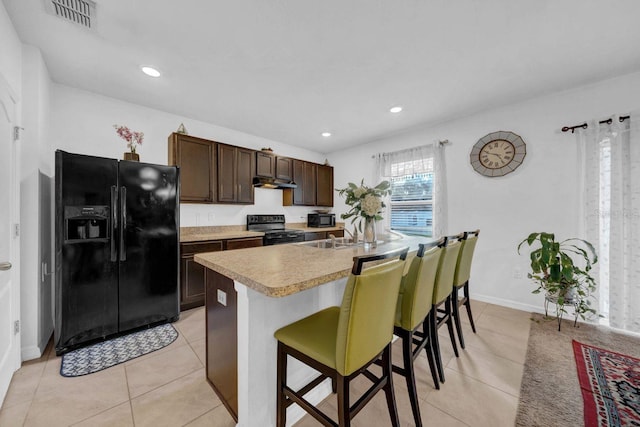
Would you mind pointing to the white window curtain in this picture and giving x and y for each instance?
(423, 159)
(610, 181)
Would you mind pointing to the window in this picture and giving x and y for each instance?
(411, 204)
(417, 205)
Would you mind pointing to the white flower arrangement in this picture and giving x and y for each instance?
(366, 202)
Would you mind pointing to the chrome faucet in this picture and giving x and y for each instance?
(333, 240)
(353, 235)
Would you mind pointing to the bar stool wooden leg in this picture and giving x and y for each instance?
(433, 330)
(430, 353)
(452, 336)
(410, 377)
(387, 370)
(344, 417)
(456, 316)
(281, 416)
(467, 304)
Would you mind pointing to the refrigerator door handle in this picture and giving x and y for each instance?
(123, 223)
(114, 222)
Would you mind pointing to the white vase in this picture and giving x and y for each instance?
(369, 233)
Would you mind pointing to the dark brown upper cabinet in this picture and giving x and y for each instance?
(265, 165)
(284, 168)
(236, 168)
(324, 188)
(196, 158)
(304, 175)
(310, 183)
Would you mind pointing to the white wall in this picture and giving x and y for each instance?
(82, 122)
(539, 196)
(36, 291)
(10, 87)
(10, 53)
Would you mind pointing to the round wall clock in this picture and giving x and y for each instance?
(498, 153)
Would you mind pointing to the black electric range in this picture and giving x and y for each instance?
(273, 228)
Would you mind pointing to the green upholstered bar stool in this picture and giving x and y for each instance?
(414, 304)
(442, 297)
(461, 280)
(341, 342)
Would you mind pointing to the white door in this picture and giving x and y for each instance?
(9, 292)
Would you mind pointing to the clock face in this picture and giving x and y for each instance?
(498, 154)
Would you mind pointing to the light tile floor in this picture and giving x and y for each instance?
(168, 387)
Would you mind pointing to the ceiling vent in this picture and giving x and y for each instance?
(81, 12)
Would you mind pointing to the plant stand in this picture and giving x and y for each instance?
(559, 313)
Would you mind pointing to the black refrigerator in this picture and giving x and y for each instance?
(117, 257)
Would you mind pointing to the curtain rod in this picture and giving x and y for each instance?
(585, 125)
(442, 142)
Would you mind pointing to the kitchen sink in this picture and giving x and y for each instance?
(337, 243)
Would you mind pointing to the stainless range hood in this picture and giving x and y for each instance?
(272, 183)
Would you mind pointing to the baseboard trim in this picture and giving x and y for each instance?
(30, 353)
(509, 303)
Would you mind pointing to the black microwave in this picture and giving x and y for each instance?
(321, 220)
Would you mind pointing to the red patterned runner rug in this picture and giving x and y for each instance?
(610, 384)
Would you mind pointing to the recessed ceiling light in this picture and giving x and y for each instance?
(326, 134)
(150, 71)
(395, 109)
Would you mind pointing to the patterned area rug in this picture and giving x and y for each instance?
(103, 355)
(610, 384)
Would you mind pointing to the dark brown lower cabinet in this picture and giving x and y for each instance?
(249, 242)
(192, 273)
(222, 339)
(192, 279)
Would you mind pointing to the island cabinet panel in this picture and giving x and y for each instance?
(324, 192)
(222, 339)
(284, 168)
(265, 165)
(196, 158)
(236, 168)
(192, 274)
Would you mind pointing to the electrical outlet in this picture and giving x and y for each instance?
(222, 297)
(517, 274)
(211, 218)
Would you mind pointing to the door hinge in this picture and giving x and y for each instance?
(16, 132)
(16, 230)
(16, 327)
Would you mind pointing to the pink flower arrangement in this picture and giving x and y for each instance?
(133, 138)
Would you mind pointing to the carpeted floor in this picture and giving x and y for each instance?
(550, 392)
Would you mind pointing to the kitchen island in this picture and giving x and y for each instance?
(253, 292)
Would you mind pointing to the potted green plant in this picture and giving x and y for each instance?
(562, 269)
